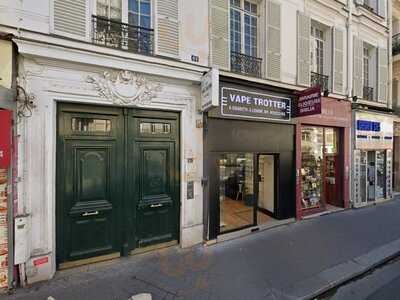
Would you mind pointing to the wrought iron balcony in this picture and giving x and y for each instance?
(368, 7)
(320, 80)
(396, 44)
(123, 36)
(368, 93)
(242, 63)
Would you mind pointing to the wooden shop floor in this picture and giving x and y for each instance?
(235, 214)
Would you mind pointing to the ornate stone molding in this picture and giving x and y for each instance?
(125, 87)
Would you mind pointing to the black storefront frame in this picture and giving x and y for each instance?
(284, 152)
(256, 184)
(211, 167)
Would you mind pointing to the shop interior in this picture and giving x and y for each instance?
(247, 190)
(320, 169)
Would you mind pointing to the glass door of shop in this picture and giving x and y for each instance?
(321, 169)
(247, 189)
(267, 186)
(236, 191)
(372, 176)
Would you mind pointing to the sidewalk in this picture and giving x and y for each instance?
(289, 262)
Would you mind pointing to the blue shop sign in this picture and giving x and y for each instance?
(364, 125)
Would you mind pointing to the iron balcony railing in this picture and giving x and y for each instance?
(242, 63)
(320, 80)
(396, 44)
(368, 7)
(123, 36)
(368, 93)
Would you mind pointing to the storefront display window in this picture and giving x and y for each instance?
(311, 168)
(319, 167)
(380, 174)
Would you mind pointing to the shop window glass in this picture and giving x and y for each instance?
(363, 176)
(90, 125)
(331, 141)
(380, 174)
(311, 169)
(236, 190)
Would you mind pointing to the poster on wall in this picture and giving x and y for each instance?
(5, 138)
(245, 104)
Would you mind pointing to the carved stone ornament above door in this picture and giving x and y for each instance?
(125, 87)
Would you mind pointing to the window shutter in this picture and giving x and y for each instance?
(382, 8)
(338, 61)
(328, 58)
(219, 33)
(274, 40)
(358, 68)
(168, 27)
(70, 17)
(382, 75)
(303, 51)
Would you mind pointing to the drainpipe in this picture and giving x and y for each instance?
(390, 73)
(349, 50)
(350, 94)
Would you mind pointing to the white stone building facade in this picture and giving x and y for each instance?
(69, 54)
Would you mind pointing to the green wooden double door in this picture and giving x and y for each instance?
(117, 180)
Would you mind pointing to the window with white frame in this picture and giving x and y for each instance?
(317, 50)
(139, 13)
(366, 66)
(243, 27)
(110, 9)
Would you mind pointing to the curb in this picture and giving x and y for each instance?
(321, 282)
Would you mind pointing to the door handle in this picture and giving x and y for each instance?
(92, 213)
(156, 205)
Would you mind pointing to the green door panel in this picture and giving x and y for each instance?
(117, 180)
(157, 205)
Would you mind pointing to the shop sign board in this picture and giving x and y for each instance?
(5, 138)
(373, 131)
(210, 90)
(253, 105)
(309, 102)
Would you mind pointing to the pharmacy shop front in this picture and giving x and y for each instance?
(249, 142)
(372, 157)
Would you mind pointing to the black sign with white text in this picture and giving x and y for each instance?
(240, 103)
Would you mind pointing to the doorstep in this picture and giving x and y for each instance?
(379, 201)
(240, 233)
(323, 213)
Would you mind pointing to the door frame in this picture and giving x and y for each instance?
(125, 226)
(276, 184)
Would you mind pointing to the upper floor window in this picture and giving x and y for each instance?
(366, 66)
(110, 9)
(371, 5)
(139, 13)
(317, 50)
(369, 73)
(243, 27)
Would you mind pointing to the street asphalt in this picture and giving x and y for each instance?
(295, 261)
(381, 283)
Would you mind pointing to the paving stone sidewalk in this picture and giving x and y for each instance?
(293, 261)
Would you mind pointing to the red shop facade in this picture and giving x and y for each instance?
(323, 158)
